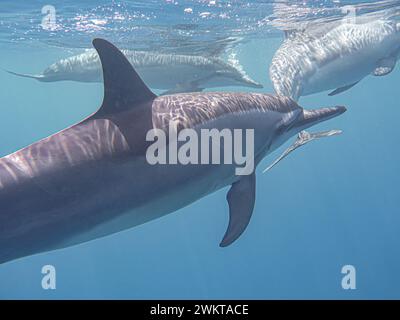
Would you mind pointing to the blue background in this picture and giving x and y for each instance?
(331, 203)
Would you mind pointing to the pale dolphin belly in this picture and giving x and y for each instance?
(342, 71)
(160, 78)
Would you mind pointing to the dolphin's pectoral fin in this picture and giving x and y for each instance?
(123, 88)
(303, 138)
(342, 89)
(385, 66)
(241, 198)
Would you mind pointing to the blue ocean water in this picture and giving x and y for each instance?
(331, 203)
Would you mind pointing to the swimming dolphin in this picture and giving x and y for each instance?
(174, 73)
(93, 178)
(310, 61)
(303, 138)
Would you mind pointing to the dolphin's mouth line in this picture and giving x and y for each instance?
(312, 117)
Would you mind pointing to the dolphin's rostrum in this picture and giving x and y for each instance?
(92, 179)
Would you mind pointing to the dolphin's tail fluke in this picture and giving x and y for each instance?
(38, 77)
(311, 117)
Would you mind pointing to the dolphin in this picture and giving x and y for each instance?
(303, 138)
(336, 58)
(174, 73)
(93, 179)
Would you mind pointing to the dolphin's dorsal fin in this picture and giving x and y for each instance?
(241, 198)
(123, 88)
